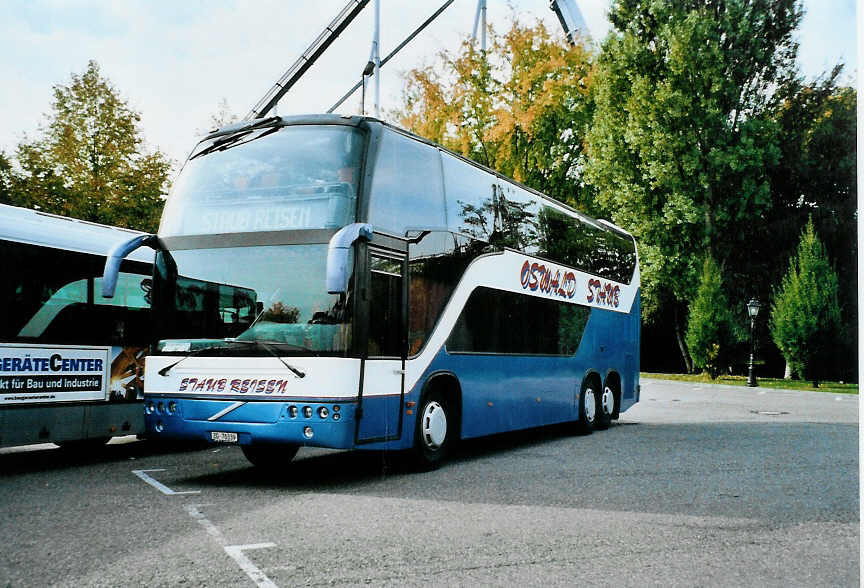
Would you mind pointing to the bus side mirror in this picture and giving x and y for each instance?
(116, 257)
(337, 255)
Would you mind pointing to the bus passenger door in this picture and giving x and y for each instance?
(381, 393)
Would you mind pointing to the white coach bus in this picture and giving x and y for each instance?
(71, 361)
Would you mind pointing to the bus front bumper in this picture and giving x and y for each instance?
(314, 424)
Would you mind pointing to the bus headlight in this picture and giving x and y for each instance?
(149, 408)
(172, 407)
(307, 412)
(292, 411)
(323, 412)
(160, 408)
(159, 427)
(337, 416)
(308, 432)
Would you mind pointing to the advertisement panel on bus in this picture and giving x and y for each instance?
(66, 373)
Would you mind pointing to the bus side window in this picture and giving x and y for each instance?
(46, 281)
(407, 187)
(496, 321)
(124, 318)
(471, 194)
(385, 311)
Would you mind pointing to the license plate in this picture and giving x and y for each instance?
(222, 437)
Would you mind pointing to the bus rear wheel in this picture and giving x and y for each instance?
(433, 431)
(588, 409)
(606, 408)
(269, 457)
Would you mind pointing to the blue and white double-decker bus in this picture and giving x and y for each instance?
(334, 281)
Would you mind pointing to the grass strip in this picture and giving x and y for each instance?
(777, 383)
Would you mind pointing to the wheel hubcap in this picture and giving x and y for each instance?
(608, 401)
(434, 425)
(590, 405)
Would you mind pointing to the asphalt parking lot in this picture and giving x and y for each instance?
(696, 485)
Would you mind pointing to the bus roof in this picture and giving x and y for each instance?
(23, 225)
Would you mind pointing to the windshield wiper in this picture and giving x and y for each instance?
(262, 344)
(229, 141)
(268, 347)
(164, 371)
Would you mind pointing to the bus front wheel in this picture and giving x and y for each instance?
(433, 431)
(269, 457)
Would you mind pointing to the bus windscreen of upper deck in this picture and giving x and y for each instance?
(296, 177)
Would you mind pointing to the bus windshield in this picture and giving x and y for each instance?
(296, 177)
(270, 294)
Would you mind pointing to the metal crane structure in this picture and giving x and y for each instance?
(567, 11)
(480, 17)
(305, 61)
(570, 17)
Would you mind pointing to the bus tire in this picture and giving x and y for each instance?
(588, 408)
(607, 405)
(269, 457)
(433, 431)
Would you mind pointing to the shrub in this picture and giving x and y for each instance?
(709, 329)
(805, 317)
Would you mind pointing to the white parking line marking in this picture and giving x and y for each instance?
(257, 576)
(159, 485)
(194, 511)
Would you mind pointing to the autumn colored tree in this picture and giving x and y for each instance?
(89, 162)
(522, 107)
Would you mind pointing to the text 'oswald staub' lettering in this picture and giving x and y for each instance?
(549, 280)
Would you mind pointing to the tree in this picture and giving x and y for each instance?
(522, 108)
(89, 163)
(681, 137)
(6, 180)
(709, 329)
(223, 117)
(805, 317)
(815, 177)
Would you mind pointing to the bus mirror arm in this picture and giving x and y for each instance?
(337, 255)
(116, 257)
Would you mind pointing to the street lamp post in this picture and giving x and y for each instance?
(753, 310)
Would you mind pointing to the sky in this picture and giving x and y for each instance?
(173, 61)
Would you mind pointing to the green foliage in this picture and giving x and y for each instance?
(522, 109)
(709, 329)
(681, 134)
(805, 317)
(814, 177)
(281, 313)
(88, 163)
(6, 179)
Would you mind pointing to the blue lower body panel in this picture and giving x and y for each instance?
(253, 422)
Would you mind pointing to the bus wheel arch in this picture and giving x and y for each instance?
(438, 423)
